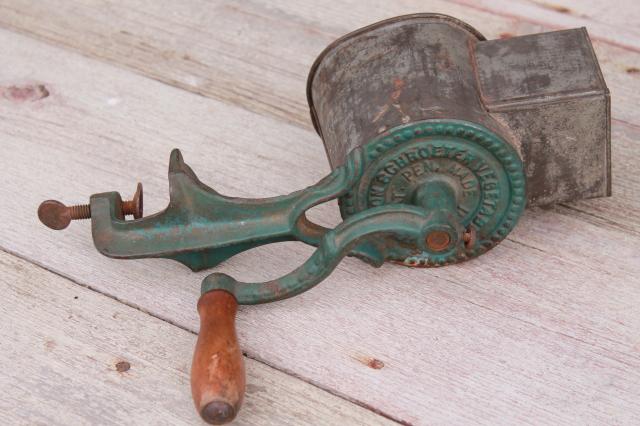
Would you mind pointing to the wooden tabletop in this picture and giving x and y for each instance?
(544, 329)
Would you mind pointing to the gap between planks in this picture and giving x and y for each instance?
(558, 15)
(27, 18)
(126, 391)
(492, 263)
(169, 67)
(115, 298)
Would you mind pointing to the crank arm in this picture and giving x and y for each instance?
(379, 224)
(217, 372)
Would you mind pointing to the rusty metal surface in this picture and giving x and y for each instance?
(542, 67)
(57, 216)
(542, 93)
(437, 140)
(415, 111)
(548, 89)
(395, 72)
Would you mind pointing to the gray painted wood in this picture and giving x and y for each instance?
(257, 53)
(238, 51)
(542, 329)
(104, 133)
(72, 356)
(616, 23)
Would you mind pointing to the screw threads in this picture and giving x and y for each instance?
(56, 215)
(80, 211)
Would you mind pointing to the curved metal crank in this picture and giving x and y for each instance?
(201, 228)
(217, 372)
(373, 225)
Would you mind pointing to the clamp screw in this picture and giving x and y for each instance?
(57, 216)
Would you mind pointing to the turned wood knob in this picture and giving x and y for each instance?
(217, 372)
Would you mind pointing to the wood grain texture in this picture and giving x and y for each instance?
(615, 22)
(256, 54)
(217, 370)
(74, 356)
(543, 329)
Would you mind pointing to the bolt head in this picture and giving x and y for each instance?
(54, 214)
(438, 240)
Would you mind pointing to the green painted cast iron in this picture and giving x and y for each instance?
(460, 184)
(428, 166)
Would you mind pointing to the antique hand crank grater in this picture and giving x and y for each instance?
(437, 139)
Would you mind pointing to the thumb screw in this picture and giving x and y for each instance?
(57, 216)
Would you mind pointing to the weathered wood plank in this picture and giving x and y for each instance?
(545, 327)
(615, 23)
(256, 54)
(74, 356)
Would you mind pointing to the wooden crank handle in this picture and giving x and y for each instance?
(217, 371)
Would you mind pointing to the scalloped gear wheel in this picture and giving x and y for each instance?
(484, 170)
